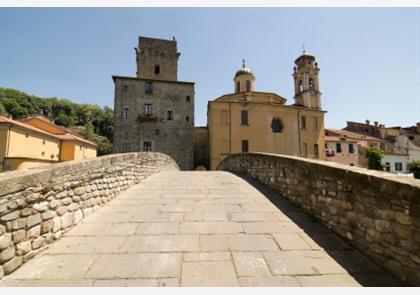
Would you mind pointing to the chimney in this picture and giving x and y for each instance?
(367, 122)
(376, 123)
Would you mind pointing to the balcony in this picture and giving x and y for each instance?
(148, 118)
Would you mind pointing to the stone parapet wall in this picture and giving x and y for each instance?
(378, 212)
(37, 205)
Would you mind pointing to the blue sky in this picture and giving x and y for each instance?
(369, 57)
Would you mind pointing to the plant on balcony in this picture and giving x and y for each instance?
(414, 167)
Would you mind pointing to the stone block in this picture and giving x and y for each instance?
(38, 243)
(66, 201)
(403, 218)
(57, 224)
(26, 212)
(61, 210)
(54, 204)
(33, 197)
(18, 223)
(41, 207)
(34, 232)
(78, 215)
(5, 241)
(10, 216)
(33, 220)
(48, 215)
(2, 229)
(19, 235)
(47, 226)
(382, 225)
(73, 207)
(23, 248)
(7, 254)
(66, 220)
(79, 191)
(12, 264)
(61, 195)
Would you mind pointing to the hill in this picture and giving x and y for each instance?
(88, 120)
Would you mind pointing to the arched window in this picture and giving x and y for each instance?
(311, 83)
(157, 69)
(238, 87)
(277, 125)
(300, 85)
(248, 86)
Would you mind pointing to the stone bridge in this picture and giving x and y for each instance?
(267, 220)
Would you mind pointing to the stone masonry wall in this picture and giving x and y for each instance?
(37, 205)
(378, 212)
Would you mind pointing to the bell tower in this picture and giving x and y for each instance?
(305, 75)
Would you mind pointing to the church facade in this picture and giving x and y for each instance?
(254, 121)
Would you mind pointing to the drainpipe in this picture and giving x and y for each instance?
(298, 119)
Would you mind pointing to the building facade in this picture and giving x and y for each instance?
(253, 121)
(36, 141)
(341, 150)
(154, 111)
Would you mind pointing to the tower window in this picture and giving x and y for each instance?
(277, 125)
(248, 86)
(311, 83)
(244, 117)
(303, 122)
(149, 87)
(170, 116)
(125, 113)
(245, 146)
(148, 109)
(147, 146)
(188, 98)
(157, 69)
(300, 85)
(187, 119)
(238, 87)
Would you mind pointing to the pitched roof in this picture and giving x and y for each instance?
(352, 135)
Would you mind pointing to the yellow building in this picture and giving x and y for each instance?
(253, 121)
(36, 141)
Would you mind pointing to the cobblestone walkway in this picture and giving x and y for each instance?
(198, 229)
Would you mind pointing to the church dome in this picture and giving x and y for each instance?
(244, 70)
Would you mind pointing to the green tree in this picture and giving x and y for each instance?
(414, 167)
(2, 110)
(104, 145)
(374, 156)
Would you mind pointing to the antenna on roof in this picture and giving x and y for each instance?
(243, 63)
(303, 47)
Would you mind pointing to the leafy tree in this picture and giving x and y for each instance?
(2, 110)
(374, 156)
(104, 145)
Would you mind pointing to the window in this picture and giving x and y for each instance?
(316, 151)
(302, 122)
(147, 146)
(305, 149)
(170, 116)
(188, 99)
(125, 88)
(245, 146)
(238, 87)
(43, 153)
(398, 166)
(126, 148)
(187, 119)
(157, 69)
(26, 135)
(387, 166)
(338, 147)
(311, 83)
(43, 142)
(248, 86)
(244, 117)
(224, 118)
(315, 124)
(148, 109)
(277, 125)
(351, 148)
(149, 87)
(125, 113)
(300, 86)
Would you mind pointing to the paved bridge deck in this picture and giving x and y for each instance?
(198, 229)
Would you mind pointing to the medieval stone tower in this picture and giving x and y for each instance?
(305, 75)
(154, 111)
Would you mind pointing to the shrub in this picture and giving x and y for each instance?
(374, 156)
(414, 167)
